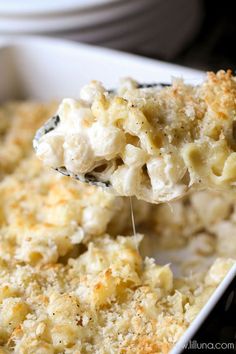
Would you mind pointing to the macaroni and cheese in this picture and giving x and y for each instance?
(69, 283)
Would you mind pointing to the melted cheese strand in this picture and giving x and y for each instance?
(132, 216)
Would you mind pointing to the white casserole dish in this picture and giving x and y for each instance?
(43, 69)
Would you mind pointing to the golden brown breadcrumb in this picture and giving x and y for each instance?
(106, 300)
(44, 216)
(18, 123)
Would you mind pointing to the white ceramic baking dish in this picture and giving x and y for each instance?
(44, 69)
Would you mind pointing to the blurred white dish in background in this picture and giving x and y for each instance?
(74, 20)
(42, 7)
(155, 27)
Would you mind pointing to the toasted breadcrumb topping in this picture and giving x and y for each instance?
(18, 123)
(107, 299)
(45, 216)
